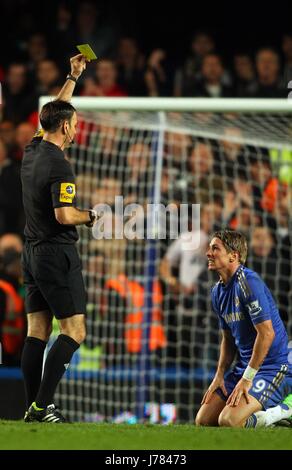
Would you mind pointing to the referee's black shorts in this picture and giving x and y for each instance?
(53, 279)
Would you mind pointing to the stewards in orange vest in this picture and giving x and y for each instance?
(13, 325)
(134, 294)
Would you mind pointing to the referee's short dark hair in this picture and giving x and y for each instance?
(54, 113)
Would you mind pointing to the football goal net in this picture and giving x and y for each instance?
(152, 338)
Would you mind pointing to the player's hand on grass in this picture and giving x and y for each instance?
(78, 65)
(218, 382)
(240, 390)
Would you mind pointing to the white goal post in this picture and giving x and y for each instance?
(248, 105)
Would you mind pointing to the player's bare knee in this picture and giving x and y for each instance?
(224, 421)
(201, 420)
(228, 420)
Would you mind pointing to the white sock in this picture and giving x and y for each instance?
(272, 415)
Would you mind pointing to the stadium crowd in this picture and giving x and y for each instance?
(238, 186)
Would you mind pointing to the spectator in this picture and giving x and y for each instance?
(86, 184)
(131, 67)
(184, 273)
(37, 50)
(109, 256)
(106, 192)
(105, 81)
(94, 30)
(268, 83)
(287, 51)
(232, 156)
(202, 178)
(11, 212)
(187, 76)
(284, 250)
(62, 35)
(242, 219)
(177, 146)
(23, 135)
(7, 134)
(243, 189)
(48, 76)
(1, 74)
(10, 241)
(264, 259)
(211, 84)
(244, 74)
(138, 174)
(12, 315)
(230, 204)
(265, 186)
(189, 261)
(158, 75)
(283, 210)
(17, 97)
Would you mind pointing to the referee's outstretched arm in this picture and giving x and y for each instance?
(59, 122)
(78, 65)
(73, 216)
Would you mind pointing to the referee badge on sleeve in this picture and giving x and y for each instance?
(67, 192)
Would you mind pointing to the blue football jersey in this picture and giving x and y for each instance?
(244, 302)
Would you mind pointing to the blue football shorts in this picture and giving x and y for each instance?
(270, 385)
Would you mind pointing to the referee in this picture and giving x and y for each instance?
(51, 265)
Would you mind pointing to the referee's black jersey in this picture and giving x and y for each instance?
(47, 182)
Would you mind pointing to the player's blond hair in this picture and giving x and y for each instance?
(233, 241)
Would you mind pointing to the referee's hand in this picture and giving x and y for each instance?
(93, 218)
(78, 65)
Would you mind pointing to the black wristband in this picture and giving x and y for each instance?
(70, 77)
(92, 218)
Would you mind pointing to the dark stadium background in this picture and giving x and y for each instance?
(237, 26)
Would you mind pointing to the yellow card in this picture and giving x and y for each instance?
(86, 50)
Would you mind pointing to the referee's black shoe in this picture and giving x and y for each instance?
(44, 415)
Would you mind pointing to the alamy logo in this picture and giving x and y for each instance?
(153, 222)
(254, 307)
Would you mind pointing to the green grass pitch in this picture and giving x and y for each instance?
(19, 435)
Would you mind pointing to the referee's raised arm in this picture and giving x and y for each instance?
(78, 65)
(59, 122)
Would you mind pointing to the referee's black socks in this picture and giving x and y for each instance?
(32, 365)
(57, 361)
